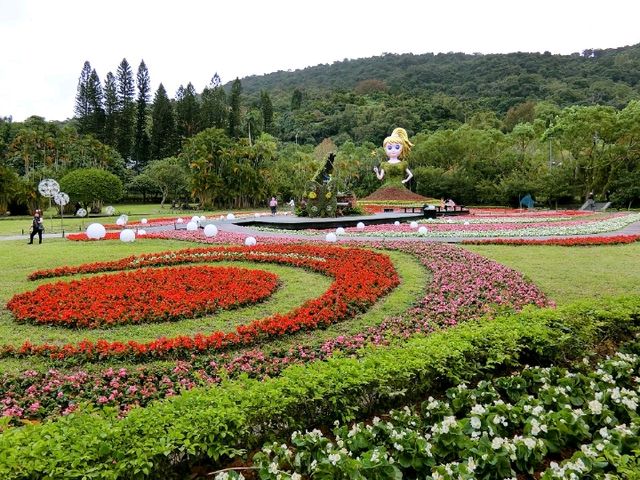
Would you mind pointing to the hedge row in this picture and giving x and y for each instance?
(221, 422)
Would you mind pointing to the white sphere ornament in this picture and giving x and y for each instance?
(195, 218)
(81, 212)
(142, 231)
(466, 223)
(144, 221)
(339, 231)
(192, 226)
(331, 237)
(121, 222)
(257, 215)
(423, 230)
(396, 223)
(110, 210)
(230, 216)
(250, 241)
(96, 231)
(413, 224)
(127, 235)
(360, 226)
(179, 220)
(210, 230)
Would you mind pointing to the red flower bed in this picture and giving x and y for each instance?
(564, 242)
(361, 277)
(150, 295)
(82, 237)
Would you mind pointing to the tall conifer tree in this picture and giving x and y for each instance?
(95, 124)
(82, 109)
(214, 105)
(163, 126)
(187, 111)
(141, 146)
(126, 110)
(110, 110)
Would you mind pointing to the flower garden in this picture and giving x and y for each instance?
(384, 358)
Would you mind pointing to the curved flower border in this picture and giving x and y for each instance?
(43, 394)
(148, 295)
(361, 277)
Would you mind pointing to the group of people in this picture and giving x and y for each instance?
(37, 227)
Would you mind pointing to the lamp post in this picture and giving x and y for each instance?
(49, 188)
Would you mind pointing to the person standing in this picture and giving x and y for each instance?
(273, 204)
(37, 227)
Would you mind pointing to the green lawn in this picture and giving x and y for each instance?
(567, 274)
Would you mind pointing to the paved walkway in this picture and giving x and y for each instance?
(229, 226)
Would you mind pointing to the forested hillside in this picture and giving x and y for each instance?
(488, 129)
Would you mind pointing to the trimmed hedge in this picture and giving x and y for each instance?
(219, 422)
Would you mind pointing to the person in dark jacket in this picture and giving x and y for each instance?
(37, 227)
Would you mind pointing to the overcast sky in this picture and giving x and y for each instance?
(46, 42)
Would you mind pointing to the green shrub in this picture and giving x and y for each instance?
(221, 422)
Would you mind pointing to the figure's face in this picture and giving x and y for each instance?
(393, 150)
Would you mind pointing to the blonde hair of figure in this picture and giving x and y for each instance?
(399, 135)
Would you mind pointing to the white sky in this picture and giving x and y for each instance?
(46, 42)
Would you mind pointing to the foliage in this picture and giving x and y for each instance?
(92, 187)
(170, 176)
(218, 423)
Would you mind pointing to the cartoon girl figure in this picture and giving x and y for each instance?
(397, 146)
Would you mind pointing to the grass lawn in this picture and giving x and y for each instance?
(566, 274)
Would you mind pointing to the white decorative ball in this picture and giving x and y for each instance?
(96, 231)
(81, 212)
(396, 223)
(256, 215)
(110, 210)
(230, 216)
(210, 230)
(331, 237)
(121, 221)
(339, 231)
(195, 219)
(422, 230)
(466, 223)
(141, 231)
(144, 221)
(192, 226)
(179, 220)
(360, 226)
(127, 235)
(250, 241)
(413, 224)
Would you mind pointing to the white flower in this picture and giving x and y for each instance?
(334, 458)
(296, 476)
(398, 447)
(471, 464)
(595, 406)
(497, 443)
(273, 468)
(476, 423)
(530, 443)
(478, 410)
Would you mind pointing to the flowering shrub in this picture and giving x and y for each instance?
(148, 295)
(499, 429)
(360, 278)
